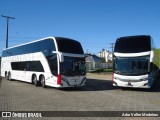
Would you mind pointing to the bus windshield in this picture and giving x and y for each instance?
(131, 65)
(73, 66)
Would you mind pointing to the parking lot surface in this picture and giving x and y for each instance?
(97, 95)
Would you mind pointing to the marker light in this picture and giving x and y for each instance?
(59, 79)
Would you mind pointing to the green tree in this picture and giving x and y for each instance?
(103, 60)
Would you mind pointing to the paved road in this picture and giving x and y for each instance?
(97, 95)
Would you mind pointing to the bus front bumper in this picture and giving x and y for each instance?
(68, 82)
(141, 81)
(141, 84)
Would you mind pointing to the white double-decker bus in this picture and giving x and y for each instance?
(133, 62)
(53, 61)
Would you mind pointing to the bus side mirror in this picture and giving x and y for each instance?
(61, 57)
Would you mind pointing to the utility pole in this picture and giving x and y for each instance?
(7, 18)
(112, 46)
(87, 51)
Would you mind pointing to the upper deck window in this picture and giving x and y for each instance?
(69, 46)
(45, 46)
(133, 44)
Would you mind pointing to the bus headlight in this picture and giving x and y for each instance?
(144, 79)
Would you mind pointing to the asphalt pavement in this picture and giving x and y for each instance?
(97, 95)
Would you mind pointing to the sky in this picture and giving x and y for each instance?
(94, 23)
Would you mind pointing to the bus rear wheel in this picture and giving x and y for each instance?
(6, 74)
(36, 83)
(9, 76)
(42, 79)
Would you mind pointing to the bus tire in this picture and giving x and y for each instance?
(42, 79)
(6, 74)
(9, 76)
(36, 83)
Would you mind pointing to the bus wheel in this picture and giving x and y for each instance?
(35, 80)
(9, 76)
(6, 74)
(42, 79)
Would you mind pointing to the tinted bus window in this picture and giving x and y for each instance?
(28, 66)
(18, 66)
(69, 46)
(46, 46)
(133, 44)
(34, 66)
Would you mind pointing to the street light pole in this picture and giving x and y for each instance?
(7, 17)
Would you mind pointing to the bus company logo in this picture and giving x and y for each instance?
(6, 114)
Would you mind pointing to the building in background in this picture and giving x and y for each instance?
(93, 62)
(105, 55)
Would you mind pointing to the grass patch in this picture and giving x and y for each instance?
(107, 70)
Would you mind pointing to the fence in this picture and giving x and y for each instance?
(91, 66)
